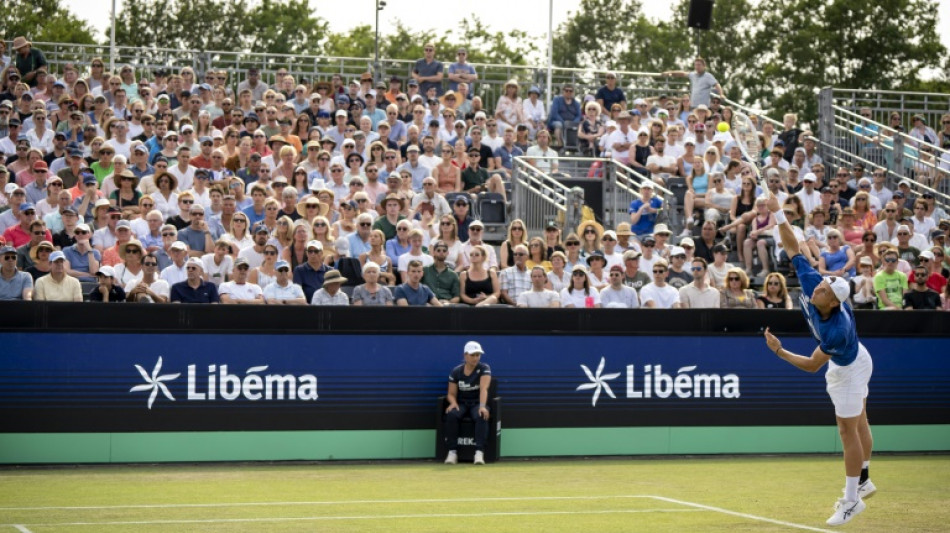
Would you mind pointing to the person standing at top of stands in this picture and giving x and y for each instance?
(468, 395)
(609, 94)
(253, 83)
(832, 324)
(428, 72)
(28, 60)
(565, 112)
(701, 82)
(460, 71)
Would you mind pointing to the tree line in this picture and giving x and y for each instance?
(771, 55)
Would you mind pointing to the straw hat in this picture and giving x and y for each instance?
(302, 207)
(401, 200)
(333, 276)
(590, 223)
(20, 42)
(174, 184)
(117, 178)
(123, 248)
(34, 251)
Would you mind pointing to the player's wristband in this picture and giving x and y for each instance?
(481, 406)
(780, 217)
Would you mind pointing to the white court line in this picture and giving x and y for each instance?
(409, 501)
(335, 502)
(742, 515)
(21, 529)
(373, 517)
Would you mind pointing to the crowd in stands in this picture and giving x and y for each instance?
(162, 187)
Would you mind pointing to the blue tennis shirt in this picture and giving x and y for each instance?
(837, 335)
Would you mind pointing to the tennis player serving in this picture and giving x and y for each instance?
(831, 320)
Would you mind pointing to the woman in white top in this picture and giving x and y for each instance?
(580, 293)
(533, 110)
(718, 198)
(509, 112)
(166, 199)
(558, 277)
(130, 269)
(239, 233)
(265, 274)
(448, 233)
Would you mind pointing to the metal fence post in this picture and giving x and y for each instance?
(826, 123)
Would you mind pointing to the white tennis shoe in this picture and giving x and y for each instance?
(846, 510)
(479, 458)
(452, 458)
(866, 489)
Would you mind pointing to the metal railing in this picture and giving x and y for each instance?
(845, 138)
(492, 77)
(855, 139)
(538, 197)
(622, 186)
(882, 103)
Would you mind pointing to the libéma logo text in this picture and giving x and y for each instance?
(685, 383)
(220, 383)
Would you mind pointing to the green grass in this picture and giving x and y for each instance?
(538, 495)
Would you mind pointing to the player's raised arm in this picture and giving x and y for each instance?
(784, 228)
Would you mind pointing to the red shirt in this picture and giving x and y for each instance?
(200, 162)
(935, 282)
(17, 237)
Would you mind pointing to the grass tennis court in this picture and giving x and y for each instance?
(650, 495)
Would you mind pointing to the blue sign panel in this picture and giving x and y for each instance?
(76, 382)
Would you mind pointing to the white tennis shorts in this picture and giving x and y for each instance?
(848, 385)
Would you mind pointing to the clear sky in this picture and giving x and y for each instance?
(498, 15)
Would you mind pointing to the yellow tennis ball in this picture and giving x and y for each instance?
(723, 127)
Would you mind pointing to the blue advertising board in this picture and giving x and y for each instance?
(127, 382)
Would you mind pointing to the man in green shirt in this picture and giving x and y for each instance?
(387, 223)
(890, 283)
(443, 281)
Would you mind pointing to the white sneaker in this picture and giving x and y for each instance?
(866, 489)
(845, 511)
(479, 458)
(452, 458)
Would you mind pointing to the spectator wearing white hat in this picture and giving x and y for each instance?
(239, 290)
(310, 275)
(283, 291)
(176, 272)
(194, 289)
(83, 259)
(107, 291)
(810, 197)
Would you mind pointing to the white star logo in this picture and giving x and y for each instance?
(598, 382)
(155, 382)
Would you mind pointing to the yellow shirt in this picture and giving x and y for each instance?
(68, 290)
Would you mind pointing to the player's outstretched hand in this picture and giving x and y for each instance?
(772, 203)
(772, 341)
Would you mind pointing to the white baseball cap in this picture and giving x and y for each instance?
(840, 287)
(473, 347)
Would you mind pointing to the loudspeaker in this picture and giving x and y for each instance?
(700, 14)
